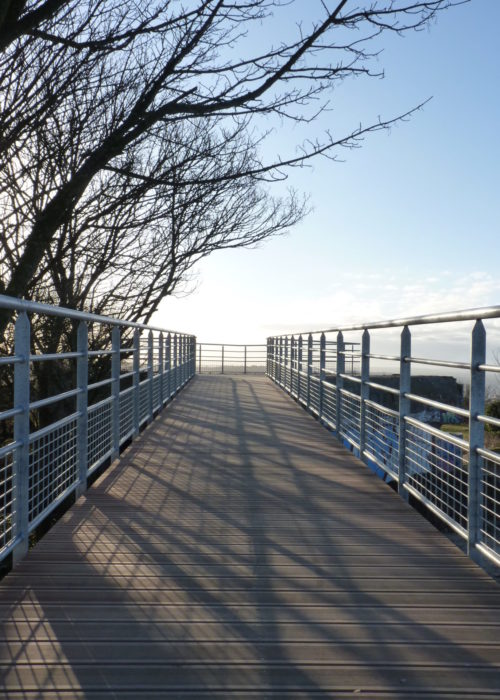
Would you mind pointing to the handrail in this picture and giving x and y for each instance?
(482, 313)
(390, 427)
(51, 445)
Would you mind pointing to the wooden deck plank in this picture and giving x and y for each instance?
(237, 551)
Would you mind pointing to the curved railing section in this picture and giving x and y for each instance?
(399, 423)
(64, 413)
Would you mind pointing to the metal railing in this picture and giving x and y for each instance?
(51, 444)
(456, 476)
(227, 358)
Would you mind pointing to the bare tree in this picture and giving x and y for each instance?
(159, 67)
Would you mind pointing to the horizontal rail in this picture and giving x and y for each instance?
(482, 313)
(438, 404)
(62, 312)
(41, 403)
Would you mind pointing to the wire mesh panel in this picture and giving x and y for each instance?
(329, 413)
(350, 415)
(302, 393)
(126, 414)
(314, 394)
(438, 469)
(143, 400)
(100, 432)
(7, 501)
(490, 501)
(382, 436)
(156, 392)
(53, 465)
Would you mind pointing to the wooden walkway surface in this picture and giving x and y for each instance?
(236, 551)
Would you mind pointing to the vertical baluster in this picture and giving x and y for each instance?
(174, 372)
(168, 365)
(322, 373)
(299, 368)
(339, 380)
(476, 435)
(115, 392)
(150, 376)
(404, 407)
(21, 435)
(161, 370)
(82, 381)
(309, 369)
(137, 379)
(364, 390)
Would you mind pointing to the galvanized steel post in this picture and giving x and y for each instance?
(339, 381)
(364, 390)
(299, 368)
(476, 434)
(82, 380)
(322, 372)
(168, 365)
(161, 369)
(222, 360)
(115, 391)
(245, 361)
(21, 435)
(404, 406)
(150, 376)
(292, 362)
(174, 366)
(137, 379)
(309, 369)
(286, 356)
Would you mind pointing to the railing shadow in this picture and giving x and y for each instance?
(229, 552)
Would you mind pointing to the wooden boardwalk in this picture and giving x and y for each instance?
(236, 551)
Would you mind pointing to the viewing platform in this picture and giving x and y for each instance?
(237, 550)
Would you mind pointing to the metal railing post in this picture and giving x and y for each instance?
(292, 362)
(280, 360)
(82, 381)
(150, 376)
(322, 372)
(245, 361)
(309, 369)
(168, 365)
(286, 363)
(21, 436)
(115, 391)
(182, 359)
(161, 369)
(299, 367)
(137, 379)
(339, 382)
(175, 372)
(476, 434)
(404, 407)
(222, 360)
(364, 389)
(199, 358)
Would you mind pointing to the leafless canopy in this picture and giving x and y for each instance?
(131, 133)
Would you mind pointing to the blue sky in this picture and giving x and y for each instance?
(407, 224)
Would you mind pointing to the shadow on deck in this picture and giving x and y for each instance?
(237, 551)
